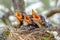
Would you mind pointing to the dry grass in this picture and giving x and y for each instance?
(37, 34)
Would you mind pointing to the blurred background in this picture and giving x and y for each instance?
(8, 7)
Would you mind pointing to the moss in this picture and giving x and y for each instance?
(45, 38)
(7, 32)
(51, 34)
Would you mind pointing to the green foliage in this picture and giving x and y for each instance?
(37, 9)
(45, 38)
(45, 8)
(55, 2)
(6, 3)
(0, 20)
(46, 2)
(51, 34)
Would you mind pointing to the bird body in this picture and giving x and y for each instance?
(40, 19)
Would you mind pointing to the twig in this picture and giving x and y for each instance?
(18, 4)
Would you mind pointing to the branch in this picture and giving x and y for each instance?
(18, 4)
(52, 12)
(14, 4)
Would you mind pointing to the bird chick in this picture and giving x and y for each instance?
(18, 21)
(36, 18)
(25, 22)
(39, 20)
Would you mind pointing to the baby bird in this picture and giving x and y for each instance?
(36, 18)
(18, 21)
(39, 20)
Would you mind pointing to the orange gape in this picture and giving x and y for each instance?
(26, 18)
(18, 14)
(35, 16)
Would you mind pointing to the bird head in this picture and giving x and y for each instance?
(26, 18)
(35, 16)
(18, 15)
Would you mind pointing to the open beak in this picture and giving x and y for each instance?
(18, 14)
(35, 16)
(26, 18)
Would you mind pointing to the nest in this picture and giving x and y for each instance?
(37, 34)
